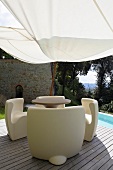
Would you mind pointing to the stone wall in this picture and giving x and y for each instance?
(34, 78)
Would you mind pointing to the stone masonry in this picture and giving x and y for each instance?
(35, 79)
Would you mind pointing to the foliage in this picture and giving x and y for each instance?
(6, 55)
(107, 107)
(110, 90)
(62, 75)
(67, 94)
(103, 68)
(67, 73)
(67, 82)
(77, 89)
(89, 93)
(2, 112)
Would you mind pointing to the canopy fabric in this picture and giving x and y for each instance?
(20, 44)
(59, 30)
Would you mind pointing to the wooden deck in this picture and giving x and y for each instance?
(98, 154)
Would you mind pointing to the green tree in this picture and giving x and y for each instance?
(1, 53)
(78, 89)
(62, 74)
(67, 74)
(89, 93)
(81, 68)
(6, 55)
(110, 89)
(103, 68)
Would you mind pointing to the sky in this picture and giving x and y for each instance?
(8, 20)
(90, 78)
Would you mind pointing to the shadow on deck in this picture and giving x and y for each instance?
(94, 155)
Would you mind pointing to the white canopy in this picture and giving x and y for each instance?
(59, 30)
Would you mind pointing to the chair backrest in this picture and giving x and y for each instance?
(12, 106)
(51, 97)
(90, 105)
(49, 127)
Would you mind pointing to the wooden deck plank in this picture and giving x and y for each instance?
(93, 159)
(90, 150)
(96, 159)
(97, 154)
(86, 158)
(102, 164)
(111, 168)
(99, 136)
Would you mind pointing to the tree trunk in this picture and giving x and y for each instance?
(53, 79)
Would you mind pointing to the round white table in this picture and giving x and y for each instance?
(51, 103)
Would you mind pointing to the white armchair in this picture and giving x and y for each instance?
(55, 134)
(16, 119)
(91, 114)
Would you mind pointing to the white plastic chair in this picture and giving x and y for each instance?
(91, 114)
(55, 134)
(16, 119)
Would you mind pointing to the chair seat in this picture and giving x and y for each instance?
(88, 118)
(17, 116)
